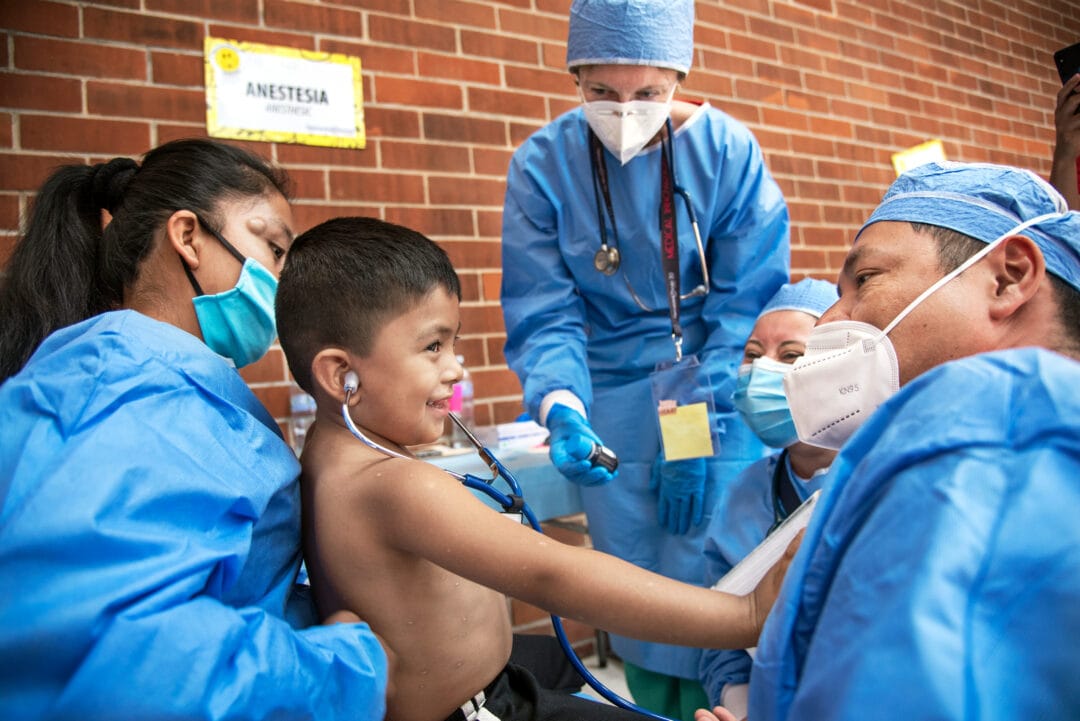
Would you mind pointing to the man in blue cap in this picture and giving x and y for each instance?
(585, 296)
(771, 489)
(940, 575)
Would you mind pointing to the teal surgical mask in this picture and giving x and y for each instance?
(759, 397)
(237, 323)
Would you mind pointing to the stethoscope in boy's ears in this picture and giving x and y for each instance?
(512, 503)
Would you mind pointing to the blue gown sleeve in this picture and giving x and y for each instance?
(542, 309)
(719, 667)
(958, 597)
(150, 522)
(205, 659)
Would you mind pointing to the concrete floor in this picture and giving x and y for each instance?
(611, 676)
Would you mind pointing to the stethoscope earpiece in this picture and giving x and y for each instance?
(352, 382)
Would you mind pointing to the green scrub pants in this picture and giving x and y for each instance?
(671, 696)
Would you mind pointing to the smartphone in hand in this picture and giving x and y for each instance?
(1068, 62)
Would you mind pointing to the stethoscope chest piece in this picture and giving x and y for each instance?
(607, 259)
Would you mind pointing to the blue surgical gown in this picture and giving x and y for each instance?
(150, 541)
(737, 527)
(940, 575)
(571, 327)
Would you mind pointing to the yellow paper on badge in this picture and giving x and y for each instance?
(685, 432)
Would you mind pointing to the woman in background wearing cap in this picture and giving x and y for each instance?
(771, 489)
(585, 290)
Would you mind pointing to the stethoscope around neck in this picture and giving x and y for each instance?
(512, 502)
(608, 259)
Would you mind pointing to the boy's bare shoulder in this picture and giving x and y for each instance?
(341, 469)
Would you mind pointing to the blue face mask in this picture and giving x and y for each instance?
(238, 323)
(759, 397)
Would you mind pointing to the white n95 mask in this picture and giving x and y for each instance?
(848, 370)
(626, 128)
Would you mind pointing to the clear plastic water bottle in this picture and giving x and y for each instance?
(461, 403)
(301, 416)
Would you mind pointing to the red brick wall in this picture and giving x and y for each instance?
(831, 88)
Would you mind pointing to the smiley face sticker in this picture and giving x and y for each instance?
(227, 59)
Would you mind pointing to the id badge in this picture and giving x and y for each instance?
(683, 397)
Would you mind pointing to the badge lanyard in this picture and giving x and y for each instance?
(682, 390)
(669, 240)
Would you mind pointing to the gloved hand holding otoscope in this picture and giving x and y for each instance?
(576, 450)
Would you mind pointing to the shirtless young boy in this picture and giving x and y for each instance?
(405, 545)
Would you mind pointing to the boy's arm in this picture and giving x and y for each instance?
(427, 513)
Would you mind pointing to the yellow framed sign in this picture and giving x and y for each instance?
(284, 95)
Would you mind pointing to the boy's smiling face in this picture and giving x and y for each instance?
(407, 379)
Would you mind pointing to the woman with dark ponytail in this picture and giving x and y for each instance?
(149, 508)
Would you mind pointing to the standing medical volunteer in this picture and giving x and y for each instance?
(940, 574)
(149, 508)
(591, 201)
(771, 489)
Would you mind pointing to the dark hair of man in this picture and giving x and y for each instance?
(954, 248)
(65, 268)
(345, 278)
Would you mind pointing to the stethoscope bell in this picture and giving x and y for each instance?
(606, 260)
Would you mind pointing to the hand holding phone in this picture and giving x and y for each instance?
(1067, 116)
(1065, 171)
(1067, 61)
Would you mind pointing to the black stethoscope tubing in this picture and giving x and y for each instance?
(608, 258)
(779, 474)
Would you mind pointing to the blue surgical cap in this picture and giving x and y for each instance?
(657, 33)
(984, 202)
(809, 295)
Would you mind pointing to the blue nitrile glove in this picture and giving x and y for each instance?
(572, 441)
(681, 503)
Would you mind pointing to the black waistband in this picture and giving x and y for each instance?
(476, 702)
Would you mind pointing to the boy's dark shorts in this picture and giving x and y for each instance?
(538, 685)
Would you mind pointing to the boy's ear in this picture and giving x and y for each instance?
(329, 369)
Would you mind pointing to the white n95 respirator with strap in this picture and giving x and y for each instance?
(848, 370)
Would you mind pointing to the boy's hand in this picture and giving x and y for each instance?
(764, 595)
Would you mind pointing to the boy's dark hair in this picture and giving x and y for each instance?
(345, 278)
(66, 269)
